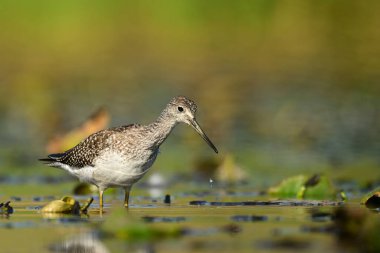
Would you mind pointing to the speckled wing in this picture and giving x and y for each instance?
(86, 151)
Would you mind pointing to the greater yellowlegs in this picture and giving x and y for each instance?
(120, 156)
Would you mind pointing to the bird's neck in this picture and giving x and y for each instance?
(161, 128)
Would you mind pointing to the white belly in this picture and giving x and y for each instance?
(115, 170)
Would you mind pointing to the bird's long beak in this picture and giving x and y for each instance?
(197, 128)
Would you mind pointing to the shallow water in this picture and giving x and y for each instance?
(205, 221)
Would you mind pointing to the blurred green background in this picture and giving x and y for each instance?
(284, 86)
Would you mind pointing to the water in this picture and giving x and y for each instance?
(150, 225)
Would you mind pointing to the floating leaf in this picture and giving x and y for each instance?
(324, 189)
(66, 205)
(289, 187)
(303, 187)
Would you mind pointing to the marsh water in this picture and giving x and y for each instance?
(199, 218)
(283, 87)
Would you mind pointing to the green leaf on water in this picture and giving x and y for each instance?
(66, 205)
(289, 187)
(63, 205)
(317, 187)
(324, 189)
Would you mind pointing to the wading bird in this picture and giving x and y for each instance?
(120, 156)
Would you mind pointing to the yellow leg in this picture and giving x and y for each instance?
(126, 199)
(101, 200)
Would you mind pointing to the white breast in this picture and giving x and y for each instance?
(113, 169)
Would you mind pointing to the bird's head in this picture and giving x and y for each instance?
(183, 110)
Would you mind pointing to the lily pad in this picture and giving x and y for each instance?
(66, 205)
(289, 187)
(303, 187)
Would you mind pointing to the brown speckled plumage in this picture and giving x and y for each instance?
(120, 156)
(87, 150)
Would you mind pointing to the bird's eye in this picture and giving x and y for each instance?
(180, 108)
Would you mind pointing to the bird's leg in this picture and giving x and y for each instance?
(101, 200)
(126, 199)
